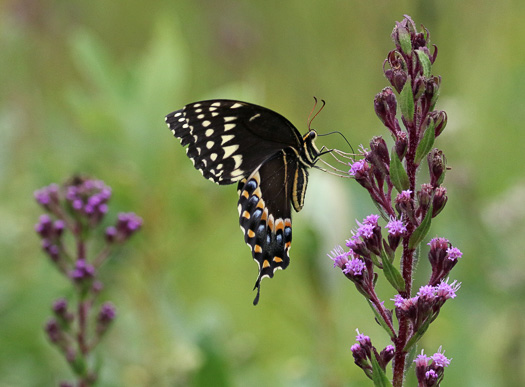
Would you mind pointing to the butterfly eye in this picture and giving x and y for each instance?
(312, 134)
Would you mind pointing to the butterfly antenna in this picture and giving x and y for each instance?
(341, 134)
(316, 114)
(310, 115)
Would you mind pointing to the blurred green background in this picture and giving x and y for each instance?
(84, 88)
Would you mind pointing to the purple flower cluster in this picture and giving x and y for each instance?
(422, 309)
(78, 207)
(363, 351)
(127, 225)
(88, 198)
(404, 199)
(429, 370)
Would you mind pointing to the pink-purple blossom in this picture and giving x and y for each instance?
(396, 227)
(354, 267)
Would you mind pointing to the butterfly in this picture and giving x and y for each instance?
(238, 142)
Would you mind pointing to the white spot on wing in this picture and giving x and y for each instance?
(213, 156)
(209, 144)
(236, 105)
(200, 116)
(216, 104)
(226, 138)
(229, 127)
(206, 123)
(238, 161)
(228, 119)
(196, 105)
(209, 132)
(254, 117)
(229, 150)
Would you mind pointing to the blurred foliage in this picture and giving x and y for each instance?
(85, 87)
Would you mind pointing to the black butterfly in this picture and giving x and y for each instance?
(233, 141)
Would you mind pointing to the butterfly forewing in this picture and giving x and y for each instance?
(227, 139)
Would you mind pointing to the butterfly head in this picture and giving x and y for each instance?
(310, 151)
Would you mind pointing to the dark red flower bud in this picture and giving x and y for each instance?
(439, 201)
(436, 164)
(385, 106)
(440, 121)
(401, 145)
(424, 195)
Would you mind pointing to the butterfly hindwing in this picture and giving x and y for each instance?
(228, 139)
(265, 202)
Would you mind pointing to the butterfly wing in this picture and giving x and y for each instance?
(227, 140)
(265, 202)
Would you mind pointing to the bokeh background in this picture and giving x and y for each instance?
(84, 87)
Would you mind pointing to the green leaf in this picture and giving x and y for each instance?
(420, 332)
(392, 274)
(398, 175)
(405, 40)
(422, 230)
(381, 321)
(410, 358)
(426, 142)
(425, 62)
(406, 101)
(378, 375)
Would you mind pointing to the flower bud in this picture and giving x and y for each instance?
(424, 196)
(404, 204)
(386, 355)
(53, 330)
(378, 154)
(436, 164)
(385, 106)
(440, 121)
(401, 145)
(106, 315)
(439, 201)
(397, 73)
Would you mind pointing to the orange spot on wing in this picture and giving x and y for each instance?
(277, 259)
(257, 249)
(266, 264)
